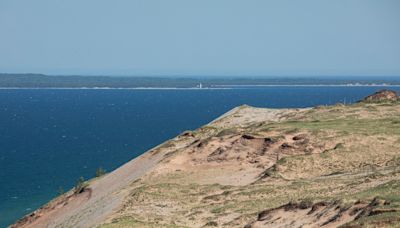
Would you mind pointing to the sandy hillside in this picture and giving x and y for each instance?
(253, 167)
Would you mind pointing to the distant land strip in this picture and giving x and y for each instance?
(17, 81)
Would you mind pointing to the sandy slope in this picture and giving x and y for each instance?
(106, 194)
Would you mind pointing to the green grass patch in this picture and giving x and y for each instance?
(391, 219)
(388, 126)
(389, 191)
(134, 223)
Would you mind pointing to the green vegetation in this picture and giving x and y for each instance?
(389, 219)
(100, 172)
(388, 126)
(134, 223)
(389, 191)
(225, 132)
(80, 186)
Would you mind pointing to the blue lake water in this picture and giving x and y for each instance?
(50, 137)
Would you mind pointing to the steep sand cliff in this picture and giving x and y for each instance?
(324, 166)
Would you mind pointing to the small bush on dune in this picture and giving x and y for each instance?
(100, 172)
(339, 146)
(80, 186)
(306, 203)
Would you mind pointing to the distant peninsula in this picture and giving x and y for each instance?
(125, 82)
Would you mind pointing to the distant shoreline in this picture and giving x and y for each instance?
(212, 87)
(111, 88)
(38, 81)
(316, 85)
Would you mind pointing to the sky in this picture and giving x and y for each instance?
(203, 37)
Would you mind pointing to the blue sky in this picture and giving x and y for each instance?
(203, 37)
